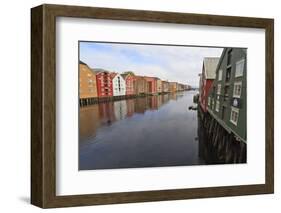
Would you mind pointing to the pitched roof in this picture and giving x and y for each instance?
(210, 66)
(100, 70)
(81, 62)
(124, 75)
(113, 74)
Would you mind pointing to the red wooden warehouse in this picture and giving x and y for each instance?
(206, 79)
(152, 85)
(130, 83)
(104, 83)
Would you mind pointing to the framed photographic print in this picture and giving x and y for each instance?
(136, 106)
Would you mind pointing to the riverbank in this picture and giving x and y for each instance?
(96, 100)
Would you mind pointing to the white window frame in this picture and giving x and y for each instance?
(217, 106)
(220, 75)
(235, 110)
(238, 83)
(241, 65)
(219, 89)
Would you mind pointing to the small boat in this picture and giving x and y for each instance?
(192, 108)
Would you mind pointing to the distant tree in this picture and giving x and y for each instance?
(129, 72)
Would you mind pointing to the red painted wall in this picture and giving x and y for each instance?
(130, 85)
(152, 84)
(206, 86)
(104, 84)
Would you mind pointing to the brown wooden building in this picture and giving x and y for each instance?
(159, 85)
(173, 86)
(141, 85)
(165, 86)
(87, 82)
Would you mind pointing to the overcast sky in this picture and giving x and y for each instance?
(172, 63)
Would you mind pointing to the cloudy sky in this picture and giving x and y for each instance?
(172, 63)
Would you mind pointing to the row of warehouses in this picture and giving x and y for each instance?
(101, 84)
(222, 90)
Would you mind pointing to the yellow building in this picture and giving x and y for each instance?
(159, 86)
(87, 82)
(173, 87)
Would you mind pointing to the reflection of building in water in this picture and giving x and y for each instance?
(173, 96)
(159, 101)
(120, 109)
(152, 102)
(106, 112)
(89, 121)
(165, 98)
(141, 105)
(130, 107)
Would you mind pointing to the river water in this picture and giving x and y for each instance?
(150, 131)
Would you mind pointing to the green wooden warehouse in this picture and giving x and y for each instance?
(227, 99)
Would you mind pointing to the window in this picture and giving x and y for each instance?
(209, 101)
(229, 57)
(239, 68)
(219, 89)
(217, 106)
(223, 112)
(226, 93)
(220, 75)
(237, 90)
(228, 74)
(226, 90)
(234, 115)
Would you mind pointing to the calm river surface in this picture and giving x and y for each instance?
(142, 132)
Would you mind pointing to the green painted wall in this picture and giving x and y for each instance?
(226, 101)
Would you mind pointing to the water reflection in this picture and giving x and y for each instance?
(142, 132)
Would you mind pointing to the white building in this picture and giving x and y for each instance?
(118, 84)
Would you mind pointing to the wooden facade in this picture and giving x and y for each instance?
(141, 85)
(165, 86)
(227, 100)
(104, 84)
(173, 87)
(87, 82)
(152, 85)
(206, 79)
(118, 84)
(130, 82)
(159, 85)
